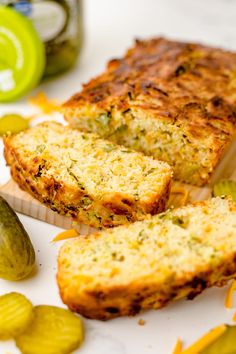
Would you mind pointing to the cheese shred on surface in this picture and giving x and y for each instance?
(229, 295)
(205, 340)
(64, 235)
(44, 104)
(178, 196)
(178, 347)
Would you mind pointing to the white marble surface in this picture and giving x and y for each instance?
(110, 29)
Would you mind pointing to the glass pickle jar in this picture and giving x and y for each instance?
(38, 38)
(59, 24)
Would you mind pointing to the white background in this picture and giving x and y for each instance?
(110, 27)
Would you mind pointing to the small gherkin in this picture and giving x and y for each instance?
(17, 256)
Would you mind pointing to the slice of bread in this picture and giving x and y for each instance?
(174, 101)
(92, 180)
(145, 265)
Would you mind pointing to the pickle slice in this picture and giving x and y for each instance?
(16, 313)
(13, 123)
(53, 331)
(225, 188)
(225, 344)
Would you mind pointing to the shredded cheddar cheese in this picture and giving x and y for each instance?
(178, 196)
(205, 340)
(66, 235)
(178, 347)
(234, 317)
(229, 295)
(44, 104)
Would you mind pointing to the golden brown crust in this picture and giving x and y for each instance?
(182, 83)
(65, 198)
(104, 290)
(104, 304)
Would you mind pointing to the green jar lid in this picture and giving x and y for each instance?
(22, 55)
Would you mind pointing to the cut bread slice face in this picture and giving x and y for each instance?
(147, 264)
(80, 175)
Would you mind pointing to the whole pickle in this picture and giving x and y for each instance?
(17, 256)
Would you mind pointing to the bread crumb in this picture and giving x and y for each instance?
(141, 322)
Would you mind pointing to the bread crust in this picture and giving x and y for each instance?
(118, 288)
(104, 304)
(184, 89)
(65, 198)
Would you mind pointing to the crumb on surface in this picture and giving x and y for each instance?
(141, 322)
